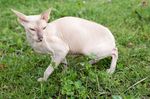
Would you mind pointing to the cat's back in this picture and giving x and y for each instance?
(69, 20)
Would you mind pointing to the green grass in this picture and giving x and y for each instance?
(20, 66)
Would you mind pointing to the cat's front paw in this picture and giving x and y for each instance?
(41, 79)
(110, 71)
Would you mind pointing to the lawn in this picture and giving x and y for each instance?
(20, 66)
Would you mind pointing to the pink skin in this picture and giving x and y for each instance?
(68, 35)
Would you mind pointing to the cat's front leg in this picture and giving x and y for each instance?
(57, 58)
(47, 73)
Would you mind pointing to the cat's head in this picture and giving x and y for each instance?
(34, 25)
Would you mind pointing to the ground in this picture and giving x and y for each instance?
(20, 66)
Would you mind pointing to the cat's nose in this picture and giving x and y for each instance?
(40, 38)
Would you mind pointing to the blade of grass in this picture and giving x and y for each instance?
(136, 84)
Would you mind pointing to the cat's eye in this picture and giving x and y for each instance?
(32, 29)
(44, 28)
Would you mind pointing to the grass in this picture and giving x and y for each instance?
(20, 66)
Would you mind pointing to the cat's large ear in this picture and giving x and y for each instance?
(45, 15)
(21, 17)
